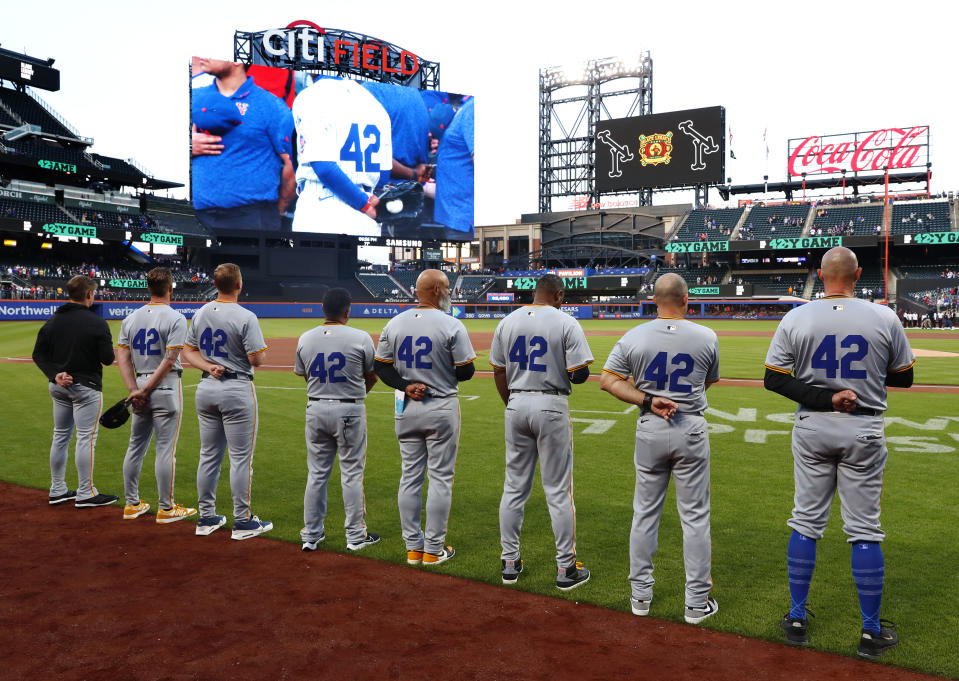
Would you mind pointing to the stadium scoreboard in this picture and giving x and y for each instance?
(28, 71)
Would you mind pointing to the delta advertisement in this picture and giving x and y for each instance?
(279, 148)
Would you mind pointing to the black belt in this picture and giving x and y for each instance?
(229, 374)
(178, 372)
(331, 399)
(544, 392)
(858, 411)
(643, 412)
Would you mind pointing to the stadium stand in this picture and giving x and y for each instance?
(471, 286)
(766, 222)
(381, 286)
(783, 283)
(926, 272)
(406, 277)
(860, 219)
(31, 210)
(697, 276)
(917, 217)
(871, 280)
(30, 110)
(717, 225)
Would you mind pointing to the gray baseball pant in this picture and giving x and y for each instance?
(678, 447)
(162, 415)
(80, 406)
(537, 426)
(333, 426)
(844, 451)
(428, 432)
(227, 411)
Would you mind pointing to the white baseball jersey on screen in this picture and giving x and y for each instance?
(339, 121)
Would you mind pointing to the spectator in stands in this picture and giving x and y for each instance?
(243, 175)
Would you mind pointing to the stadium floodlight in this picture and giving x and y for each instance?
(21, 131)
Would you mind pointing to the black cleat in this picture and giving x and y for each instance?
(98, 500)
(571, 577)
(511, 570)
(873, 645)
(69, 495)
(796, 630)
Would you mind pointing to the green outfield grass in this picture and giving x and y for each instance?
(751, 492)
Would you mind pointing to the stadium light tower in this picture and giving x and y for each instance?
(612, 87)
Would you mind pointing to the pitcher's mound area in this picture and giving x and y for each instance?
(86, 595)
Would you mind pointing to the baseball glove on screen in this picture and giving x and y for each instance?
(399, 201)
(117, 415)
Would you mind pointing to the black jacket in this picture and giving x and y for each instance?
(76, 340)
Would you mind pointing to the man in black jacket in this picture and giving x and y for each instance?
(70, 349)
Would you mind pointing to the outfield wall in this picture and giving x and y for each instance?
(39, 310)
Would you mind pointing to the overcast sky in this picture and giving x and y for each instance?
(796, 69)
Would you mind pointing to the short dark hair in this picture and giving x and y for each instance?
(227, 277)
(79, 286)
(549, 283)
(336, 303)
(159, 281)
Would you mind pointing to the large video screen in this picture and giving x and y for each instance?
(276, 150)
(674, 149)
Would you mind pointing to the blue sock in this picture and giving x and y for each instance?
(868, 571)
(801, 560)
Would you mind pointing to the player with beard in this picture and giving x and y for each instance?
(424, 353)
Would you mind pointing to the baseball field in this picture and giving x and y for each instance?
(751, 486)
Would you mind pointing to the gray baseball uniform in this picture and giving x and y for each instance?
(226, 334)
(335, 360)
(671, 358)
(537, 345)
(426, 345)
(148, 333)
(840, 343)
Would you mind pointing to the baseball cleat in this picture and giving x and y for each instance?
(172, 515)
(131, 511)
(370, 539)
(571, 577)
(698, 614)
(69, 495)
(414, 556)
(640, 606)
(511, 570)
(795, 629)
(311, 545)
(209, 524)
(98, 500)
(437, 558)
(247, 529)
(873, 645)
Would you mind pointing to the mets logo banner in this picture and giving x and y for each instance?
(674, 149)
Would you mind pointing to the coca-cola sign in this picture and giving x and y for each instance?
(857, 152)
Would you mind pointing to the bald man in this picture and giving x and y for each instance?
(835, 357)
(423, 354)
(672, 362)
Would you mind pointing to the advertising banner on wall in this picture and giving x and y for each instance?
(854, 152)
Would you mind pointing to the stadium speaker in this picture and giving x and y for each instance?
(58, 196)
(143, 203)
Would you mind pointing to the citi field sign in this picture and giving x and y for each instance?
(856, 152)
(304, 44)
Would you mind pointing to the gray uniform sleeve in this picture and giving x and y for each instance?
(618, 361)
(191, 332)
(460, 347)
(123, 340)
(497, 356)
(577, 348)
(253, 341)
(901, 356)
(177, 336)
(713, 374)
(299, 367)
(384, 349)
(368, 353)
(781, 356)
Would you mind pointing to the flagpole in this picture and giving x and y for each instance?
(885, 275)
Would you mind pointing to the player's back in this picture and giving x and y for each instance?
(672, 358)
(335, 359)
(149, 332)
(425, 345)
(226, 333)
(536, 344)
(842, 343)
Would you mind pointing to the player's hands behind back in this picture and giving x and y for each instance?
(844, 400)
(663, 407)
(416, 391)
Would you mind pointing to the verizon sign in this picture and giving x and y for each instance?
(858, 152)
